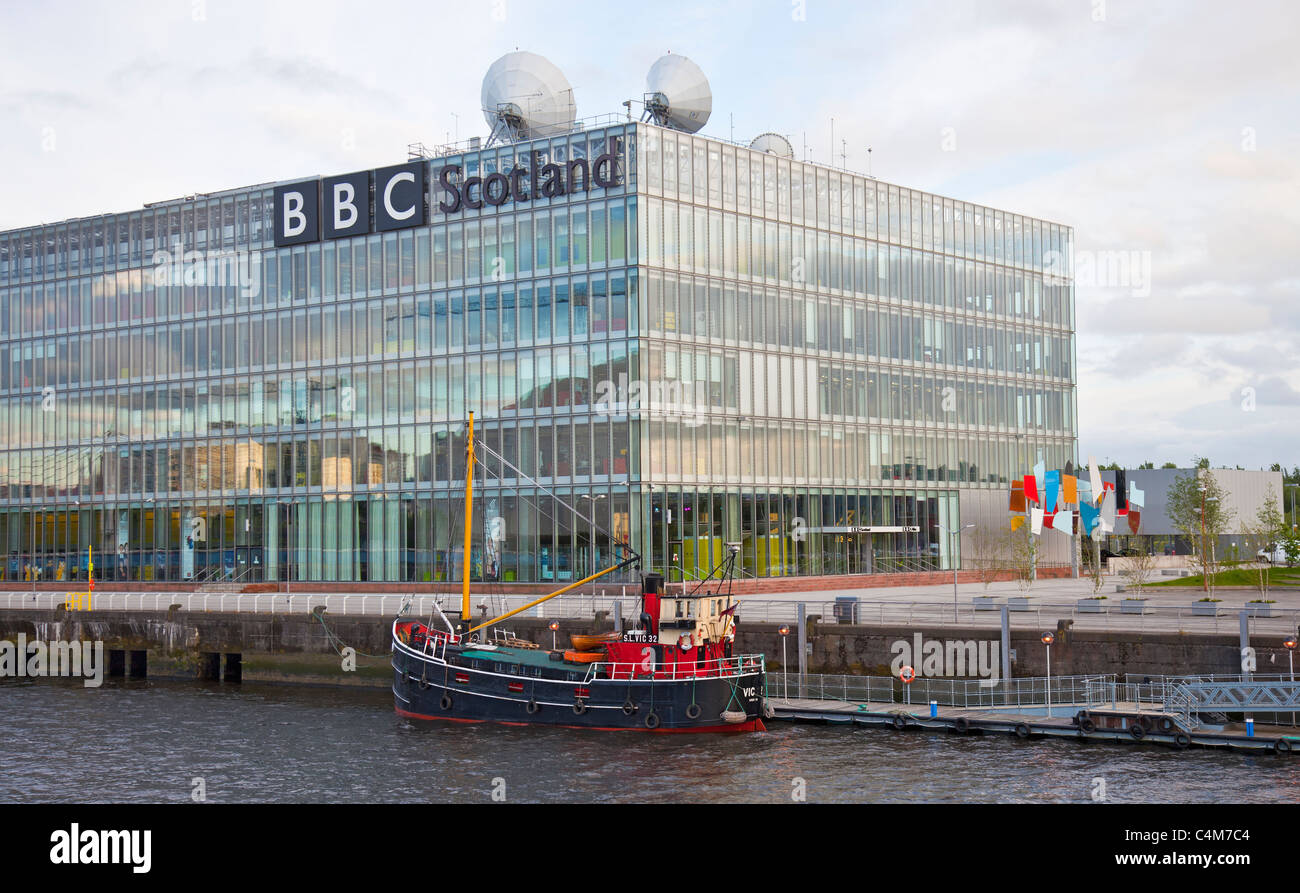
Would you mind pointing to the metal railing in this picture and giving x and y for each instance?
(1218, 677)
(1022, 692)
(1155, 618)
(1188, 696)
(1182, 698)
(1243, 697)
(1044, 615)
(738, 665)
(237, 603)
(1182, 703)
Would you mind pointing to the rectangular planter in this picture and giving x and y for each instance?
(1091, 606)
(1205, 609)
(1132, 606)
(1262, 610)
(1018, 604)
(985, 603)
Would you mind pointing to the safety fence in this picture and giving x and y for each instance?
(624, 601)
(1024, 692)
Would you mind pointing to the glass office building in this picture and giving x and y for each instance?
(726, 347)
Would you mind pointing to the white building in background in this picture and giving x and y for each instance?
(1246, 491)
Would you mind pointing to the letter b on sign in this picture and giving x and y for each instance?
(347, 205)
(297, 218)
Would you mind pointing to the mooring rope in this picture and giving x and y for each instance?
(335, 641)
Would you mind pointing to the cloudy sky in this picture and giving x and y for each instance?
(1166, 131)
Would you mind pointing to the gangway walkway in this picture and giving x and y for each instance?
(1160, 710)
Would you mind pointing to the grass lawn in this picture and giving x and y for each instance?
(1237, 576)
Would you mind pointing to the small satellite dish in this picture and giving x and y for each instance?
(525, 96)
(773, 144)
(677, 94)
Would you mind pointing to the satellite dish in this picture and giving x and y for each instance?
(525, 96)
(773, 144)
(677, 94)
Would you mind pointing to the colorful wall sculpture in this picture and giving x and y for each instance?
(1050, 499)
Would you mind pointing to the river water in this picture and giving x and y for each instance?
(148, 741)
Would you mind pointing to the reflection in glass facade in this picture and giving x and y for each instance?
(729, 348)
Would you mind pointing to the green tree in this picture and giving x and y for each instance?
(1264, 530)
(1023, 547)
(1291, 546)
(1169, 465)
(991, 549)
(1197, 505)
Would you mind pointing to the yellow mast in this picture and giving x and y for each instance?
(469, 520)
(469, 530)
(532, 604)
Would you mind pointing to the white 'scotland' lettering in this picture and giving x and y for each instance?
(347, 205)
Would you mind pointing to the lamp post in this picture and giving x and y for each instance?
(555, 625)
(1048, 639)
(1290, 643)
(785, 667)
(952, 554)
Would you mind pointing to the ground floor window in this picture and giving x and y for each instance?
(519, 535)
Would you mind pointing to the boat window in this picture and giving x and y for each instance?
(679, 608)
(690, 608)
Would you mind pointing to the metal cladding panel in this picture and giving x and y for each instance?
(1246, 490)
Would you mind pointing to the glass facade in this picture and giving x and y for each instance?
(729, 347)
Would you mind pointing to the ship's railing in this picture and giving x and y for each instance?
(738, 665)
(433, 645)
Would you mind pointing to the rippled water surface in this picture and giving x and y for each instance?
(148, 741)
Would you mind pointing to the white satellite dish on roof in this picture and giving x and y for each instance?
(773, 144)
(677, 94)
(525, 96)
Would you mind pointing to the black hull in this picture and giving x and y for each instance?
(428, 690)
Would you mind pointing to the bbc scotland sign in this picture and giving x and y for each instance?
(348, 205)
(396, 197)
